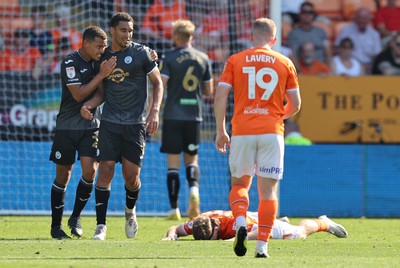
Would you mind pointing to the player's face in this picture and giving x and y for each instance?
(96, 48)
(122, 34)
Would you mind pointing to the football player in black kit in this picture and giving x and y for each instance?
(186, 74)
(125, 119)
(73, 134)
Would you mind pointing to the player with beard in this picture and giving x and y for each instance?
(124, 120)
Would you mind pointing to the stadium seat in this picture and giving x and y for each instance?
(331, 9)
(10, 8)
(326, 27)
(350, 6)
(10, 25)
(337, 26)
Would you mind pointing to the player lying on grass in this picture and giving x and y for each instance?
(219, 224)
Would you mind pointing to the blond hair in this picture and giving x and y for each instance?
(264, 28)
(183, 28)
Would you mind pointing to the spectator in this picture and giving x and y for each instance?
(309, 64)
(306, 31)
(343, 64)
(40, 36)
(366, 40)
(63, 49)
(21, 57)
(63, 28)
(388, 61)
(157, 23)
(387, 19)
(290, 11)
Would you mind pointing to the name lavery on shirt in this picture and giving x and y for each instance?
(263, 58)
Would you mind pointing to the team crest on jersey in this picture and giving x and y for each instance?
(70, 72)
(128, 59)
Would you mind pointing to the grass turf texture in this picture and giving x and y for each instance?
(25, 242)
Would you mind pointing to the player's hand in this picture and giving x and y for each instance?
(107, 66)
(172, 237)
(153, 55)
(86, 113)
(222, 142)
(152, 122)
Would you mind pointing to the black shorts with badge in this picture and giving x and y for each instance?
(118, 140)
(180, 136)
(67, 142)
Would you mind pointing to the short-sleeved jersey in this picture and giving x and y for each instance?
(227, 228)
(75, 70)
(125, 89)
(260, 79)
(186, 69)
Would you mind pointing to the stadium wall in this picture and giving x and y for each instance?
(338, 180)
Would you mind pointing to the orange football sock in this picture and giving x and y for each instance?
(322, 226)
(267, 210)
(239, 200)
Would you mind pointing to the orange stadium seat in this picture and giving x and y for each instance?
(329, 8)
(337, 26)
(9, 25)
(350, 6)
(326, 27)
(10, 8)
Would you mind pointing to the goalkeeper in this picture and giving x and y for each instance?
(75, 134)
(220, 224)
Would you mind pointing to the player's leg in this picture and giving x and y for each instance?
(102, 196)
(269, 170)
(131, 173)
(132, 153)
(241, 164)
(58, 189)
(173, 185)
(110, 144)
(172, 144)
(190, 149)
(192, 176)
(63, 155)
(87, 151)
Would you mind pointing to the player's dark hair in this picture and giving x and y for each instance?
(120, 16)
(93, 32)
(202, 229)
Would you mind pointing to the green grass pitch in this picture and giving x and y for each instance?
(25, 242)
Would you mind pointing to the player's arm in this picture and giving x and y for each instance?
(174, 232)
(96, 100)
(81, 91)
(293, 103)
(207, 88)
(152, 121)
(220, 105)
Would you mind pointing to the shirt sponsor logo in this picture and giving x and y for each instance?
(70, 72)
(128, 59)
(118, 75)
(255, 110)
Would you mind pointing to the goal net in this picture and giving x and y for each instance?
(30, 94)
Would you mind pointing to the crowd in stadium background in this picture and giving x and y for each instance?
(222, 27)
